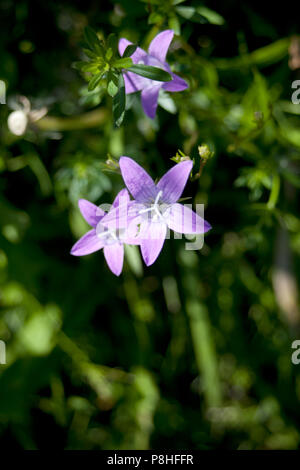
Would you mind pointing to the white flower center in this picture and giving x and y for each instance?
(156, 209)
(111, 235)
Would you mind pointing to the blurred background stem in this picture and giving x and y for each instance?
(87, 120)
(203, 342)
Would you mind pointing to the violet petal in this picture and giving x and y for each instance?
(91, 213)
(176, 84)
(150, 98)
(152, 241)
(183, 219)
(173, 182)
(114, 255)
(133, 82)
(138, 53)
(137, 180)
(160, 44)
(87, 244)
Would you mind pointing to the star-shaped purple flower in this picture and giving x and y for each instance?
(110, 239)
(155, 57)
(155, 207)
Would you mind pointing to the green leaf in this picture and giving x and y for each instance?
(93, 41)
(186, 12)
(94, 82)
(154, 73)
(90, 67)
(83, 66)
(200, 15)
(129, 50)
(123, 63)
(152, 2)
(112, 42)
(166, 102)
(211, 16)
(263, 56)
(79, 65)
(112, 83)
(174, 24)
(119, 102)
(155, 18)
(109, 54)
(90, 54)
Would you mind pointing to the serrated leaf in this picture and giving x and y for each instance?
(93, 41)
(153, 73)
(112, 84)
(123, 63)
(94, 82)
(119, 102)
(130, 49)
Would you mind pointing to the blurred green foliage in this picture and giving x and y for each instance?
(195, 351)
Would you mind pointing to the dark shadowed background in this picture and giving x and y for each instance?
(195, 351)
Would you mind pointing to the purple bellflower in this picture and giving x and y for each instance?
(155, 57)
(110, 239)
(155, 207)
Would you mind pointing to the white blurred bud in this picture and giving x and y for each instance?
(17, 122)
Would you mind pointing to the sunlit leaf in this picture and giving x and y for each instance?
(112, 83)
(123, 63)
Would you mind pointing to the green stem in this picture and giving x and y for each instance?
(274, 194)
(204, 351)
(87, 120)
(203, 342)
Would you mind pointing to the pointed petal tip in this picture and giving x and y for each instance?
(149, 262)
(90, 212)
(114, 256)
(74, 251)
(81, 202)
(116, 273)
(173, 182)
(160, 44)
(207, 227)
(123, 43)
